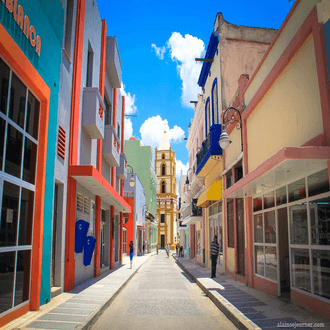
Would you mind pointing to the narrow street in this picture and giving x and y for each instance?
(160, 296)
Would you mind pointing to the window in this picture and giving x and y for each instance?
(215, 101)
(308, 235)
(163, 169)
(163, 156)
(162, 218)
(207, 116)
(19, 128)
(163, 187)
(238, 172)
(90, 58)
(229, 180)
(68, 28)
(230, 222)
(108, 110)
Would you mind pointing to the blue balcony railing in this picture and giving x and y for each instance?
(210, 147)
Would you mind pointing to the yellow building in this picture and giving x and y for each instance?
(167, 210)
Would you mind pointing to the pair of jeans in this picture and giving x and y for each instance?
(214, 265)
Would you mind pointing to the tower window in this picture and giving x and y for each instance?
(163, 170)
(163, 187)
(163, 156)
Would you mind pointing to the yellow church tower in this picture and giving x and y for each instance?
(167, 210)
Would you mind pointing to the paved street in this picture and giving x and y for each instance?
(160, 296)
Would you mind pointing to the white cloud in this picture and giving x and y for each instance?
(183, 51)
(180, 166)
(160, 51)
(130, 106)
(153, 128)
(128, 128)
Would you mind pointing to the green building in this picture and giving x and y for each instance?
(140, 158)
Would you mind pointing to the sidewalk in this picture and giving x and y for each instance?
(249, 308)
(79, 308)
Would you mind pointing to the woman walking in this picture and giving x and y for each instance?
(131, 252)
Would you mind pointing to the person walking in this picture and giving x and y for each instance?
(214, 255)
(143, 248)
(131, 252)
(168, 249)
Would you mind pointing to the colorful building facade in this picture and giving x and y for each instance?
(90, 163)
(140, 158)
(167, 210)
(282, 201)
(30, 57)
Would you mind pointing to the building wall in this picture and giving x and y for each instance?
(288, 93)
(281, 43)
(47, 21)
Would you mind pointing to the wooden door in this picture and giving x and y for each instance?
(240, 235)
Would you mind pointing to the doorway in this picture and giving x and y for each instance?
(162, 241)
(240, 235)
(284, 253)
(55, 217)
(102, 238)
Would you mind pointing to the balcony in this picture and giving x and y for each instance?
(113, 62)
(192, 213)
(122, 169)
(111, 146)
(93, 113)
(210, 147)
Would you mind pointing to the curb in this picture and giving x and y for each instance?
(233, 314)
(94, 316)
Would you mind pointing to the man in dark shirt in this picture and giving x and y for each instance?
(214, 255)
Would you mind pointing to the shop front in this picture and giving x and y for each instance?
(288, 226)
(30, 55)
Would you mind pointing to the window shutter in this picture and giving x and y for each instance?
(61, 142)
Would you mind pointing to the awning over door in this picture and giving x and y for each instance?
(213, 193)
(90, 178)
(287, 165)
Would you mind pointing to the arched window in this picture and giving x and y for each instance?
(207, 117)
(163, 156)
(163, 187)
(215, 102)
(163, 170)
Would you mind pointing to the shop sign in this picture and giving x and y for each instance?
(23, 22)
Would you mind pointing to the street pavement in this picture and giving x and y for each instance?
(79, 308)
(160, 296)
(249, 308)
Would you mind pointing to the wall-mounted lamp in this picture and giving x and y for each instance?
(204, 59)
(187, 180)
(230, 116)
(131, 181)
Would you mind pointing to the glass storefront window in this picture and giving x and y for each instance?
(13, 162)
(270, 227)
(300, 269)
(32, 118)
(7, 272)
(22, 286)
(258, 229)
(9, 215)
(298, 224)
(321, 272)
(257, 204)
(271, 262)
(4, 83)
(26, 218)
(259, 260)
(2, 139)
(320, 221)
(17, 101)
(297, 190)
(318, 183)
(281, 196)
(269, 200)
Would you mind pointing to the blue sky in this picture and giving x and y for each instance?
(158, 42)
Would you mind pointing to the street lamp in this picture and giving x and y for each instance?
(131, 181)
(230, 116)
(187, 180)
